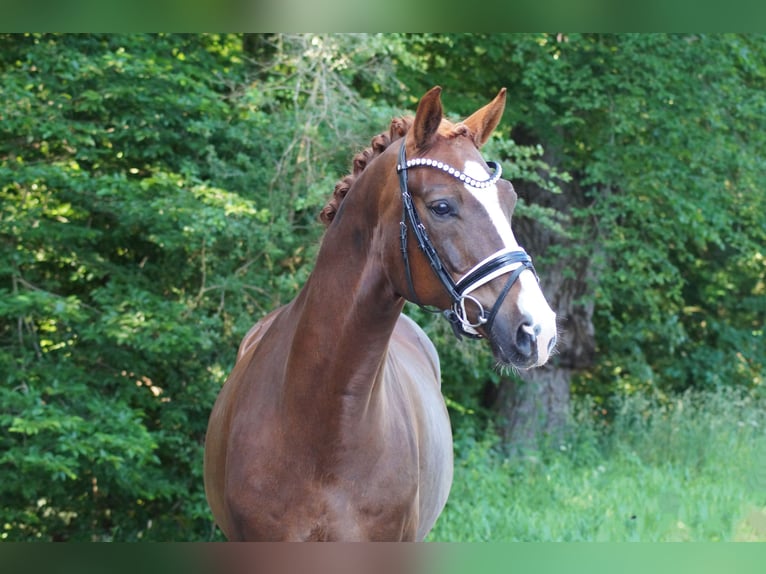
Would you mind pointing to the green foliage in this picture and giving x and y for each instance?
(111, 341)
(154, 205)
(662, 136)
(678, 184)
(686, 470)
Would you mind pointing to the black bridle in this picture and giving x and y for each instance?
(500, 263)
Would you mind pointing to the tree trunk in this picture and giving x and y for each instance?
(534, 406)
(533, 409)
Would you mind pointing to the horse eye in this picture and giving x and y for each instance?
(441, 208)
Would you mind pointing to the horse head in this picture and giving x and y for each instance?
(457, 246)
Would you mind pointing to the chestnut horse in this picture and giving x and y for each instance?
(332, 425)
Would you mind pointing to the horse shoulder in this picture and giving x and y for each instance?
(415, 354)
(220, 421)
(409, 334)
(256, 332)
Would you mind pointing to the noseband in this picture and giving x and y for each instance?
(512, 261)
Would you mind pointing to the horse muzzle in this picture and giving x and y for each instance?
(523, 333)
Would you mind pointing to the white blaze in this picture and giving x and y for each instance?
(489, 198)
(531, 300)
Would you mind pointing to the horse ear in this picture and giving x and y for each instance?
(483, 121)
(428, 117)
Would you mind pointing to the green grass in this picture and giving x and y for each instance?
(688, 469)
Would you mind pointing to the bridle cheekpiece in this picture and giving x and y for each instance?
(506, 260)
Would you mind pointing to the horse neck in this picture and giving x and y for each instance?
(344, 315)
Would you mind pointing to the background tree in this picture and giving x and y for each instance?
(662, 137)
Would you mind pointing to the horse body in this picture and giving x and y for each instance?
(303, 446)
(332, 425)
(304, 479)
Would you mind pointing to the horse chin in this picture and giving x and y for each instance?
(507, 356)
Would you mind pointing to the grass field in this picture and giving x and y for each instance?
(688, 469)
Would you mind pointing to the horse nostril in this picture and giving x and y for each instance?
(526, 339)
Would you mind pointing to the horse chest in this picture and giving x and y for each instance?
(293, 498)
(376, 469)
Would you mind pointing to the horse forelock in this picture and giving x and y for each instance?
(397, 130)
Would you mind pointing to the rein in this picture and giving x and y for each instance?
(512, 261)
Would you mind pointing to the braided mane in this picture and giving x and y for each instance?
(398, 129)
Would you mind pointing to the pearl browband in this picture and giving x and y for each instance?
(457, 174)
